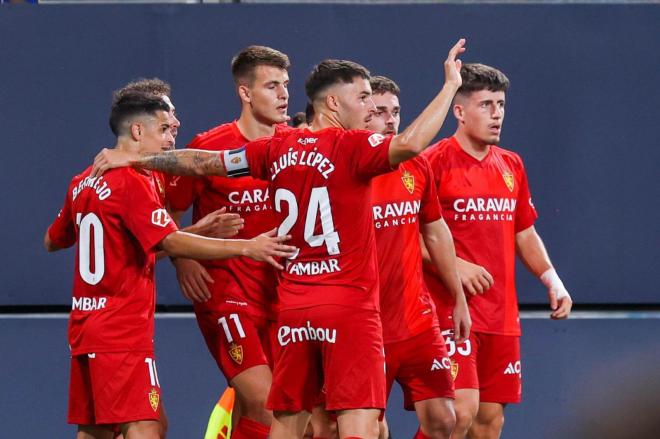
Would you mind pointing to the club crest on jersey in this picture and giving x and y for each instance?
(454, 370)
(408, 181)
(236, 353)
(154, 399)
(508, 180)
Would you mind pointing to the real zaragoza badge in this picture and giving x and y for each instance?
(154, 399)
(509, 180)
(408, 181)
(236, 353)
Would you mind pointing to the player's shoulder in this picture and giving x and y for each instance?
(508, 155)
(218, 137)
(440, 150)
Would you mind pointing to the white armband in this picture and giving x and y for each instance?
(551, 280)
(236, 162)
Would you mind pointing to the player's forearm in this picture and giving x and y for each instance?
(532, 252)
(442, 253)
(419, 134)
(194, 162)
(186, 245)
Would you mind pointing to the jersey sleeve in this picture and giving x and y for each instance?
(62, 231)
(144, 215)
(255, 160)
(430, 209)
(370, 153)
(525, 211)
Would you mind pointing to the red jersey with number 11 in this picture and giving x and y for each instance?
(321, 191)
(485, 203)
(117, 220)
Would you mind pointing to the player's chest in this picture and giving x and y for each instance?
(494, 180)
(236, 191)
(400, 185)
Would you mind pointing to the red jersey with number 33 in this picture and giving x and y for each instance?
(403, 199)
(240, 279)
(320, 185)
(485, 203)
(117, 220)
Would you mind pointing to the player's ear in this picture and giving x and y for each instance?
(244, 93)
(136, 131)
(332, 102)
(458, 111)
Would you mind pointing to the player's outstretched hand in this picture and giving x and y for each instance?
(193, 279)
(219, 224)
(267, 246)
(475, 278)
(462, 321)
(111, 158)
(453, 65)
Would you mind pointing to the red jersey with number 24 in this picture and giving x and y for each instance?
(321, 192)
(485, 203)
(117, 220)
(402, 199)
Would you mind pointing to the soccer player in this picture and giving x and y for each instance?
(119, 222)
(405, 202)
(234, 299)
(486, 202)
(328, 292)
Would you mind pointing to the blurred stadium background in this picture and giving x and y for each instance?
(582, 111)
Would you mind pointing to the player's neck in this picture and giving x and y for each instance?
(323, 120)
(127, 145)
(472, 146)
(251, 128)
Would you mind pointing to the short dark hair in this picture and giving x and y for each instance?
(382, 84)
(477, 77)
(330, 72)
(298, 119)
(133, 104)
(153, 86)
(246, 61)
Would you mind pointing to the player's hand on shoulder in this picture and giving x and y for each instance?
(220, 224)
(267, 246)
(474, 278)
(111, 158)
(193, 279)
(453, 65)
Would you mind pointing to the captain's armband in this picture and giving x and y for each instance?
(236, 162)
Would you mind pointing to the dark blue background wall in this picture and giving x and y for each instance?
(582, 111)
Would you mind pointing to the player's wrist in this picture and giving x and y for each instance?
(552, 282)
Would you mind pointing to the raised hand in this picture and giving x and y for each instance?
(453, 65)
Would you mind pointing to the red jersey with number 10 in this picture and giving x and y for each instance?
(401, 200)
(117, 220)
(485, 203)
(241, 280)
(321, 191)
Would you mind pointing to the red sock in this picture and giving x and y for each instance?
(250, 429)
(420, 435)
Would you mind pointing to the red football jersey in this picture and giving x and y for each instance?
(485, 203)
(117, 220)
(320, 185)
(242, 280)
(401, 200)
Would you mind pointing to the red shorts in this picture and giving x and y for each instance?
(237, 341)
(488, 362)
(337, 348)
(113, 388)
(421, 366)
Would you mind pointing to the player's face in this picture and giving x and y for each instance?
(155, 133)
(355, 106)
(387, 118)
(269, 95)
(174, 122)
(480, 115)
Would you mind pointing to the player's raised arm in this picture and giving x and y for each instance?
(180, 162)
(425, 127)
